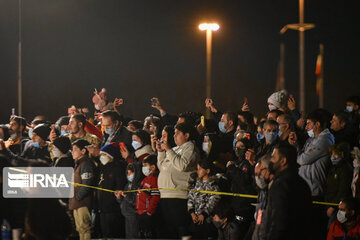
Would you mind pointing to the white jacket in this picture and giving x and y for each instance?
(175, 167)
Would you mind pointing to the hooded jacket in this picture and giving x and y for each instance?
(314, 161)
(128, 203)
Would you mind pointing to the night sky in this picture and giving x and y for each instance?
(139, 49)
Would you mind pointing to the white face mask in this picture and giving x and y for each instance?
(146, 170)
(135, 144)
(341, 216)
(311, 133)
(56, 152)
(260, 182)
(205, 147)
(349, 108)
(104, 159)
(13, 135)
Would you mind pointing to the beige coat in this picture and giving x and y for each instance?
(175, 167)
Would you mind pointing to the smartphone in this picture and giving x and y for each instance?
(122, 145)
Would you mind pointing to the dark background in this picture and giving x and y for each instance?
(141, 48)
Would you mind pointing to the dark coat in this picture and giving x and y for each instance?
(288, 207)
(338, 182)
(112, 176)
(122, 134)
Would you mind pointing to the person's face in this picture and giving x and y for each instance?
(64, 127)
(151, 167)
(311, 125)
(336, 124)
(14, 127)
(77, 153)
(164, 136)
(108, 123)
(272, 116)
(283, 126)
(353, 105)
(129, 172)
(202, 172)
(224, 119)
(277, 161)
(240, 145)
(136, 138)
(74, 126)
(37, 138)
(348, 214)
(269, 128)
(152, 128)
(180, 138)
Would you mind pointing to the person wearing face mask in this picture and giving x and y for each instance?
(338, 184)
(111, 176)
(314, 162)
(263, 179)
(61, 152)
(114, 130)
(239, 173)
(147, 201)
(37, 150)
(141, 145)
(271, 138)
(128, 200)
(289, 198)
(278, 100)
(347, 223)
(210, 147)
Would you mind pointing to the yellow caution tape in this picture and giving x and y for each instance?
(177, 189)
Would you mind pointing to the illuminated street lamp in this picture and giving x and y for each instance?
(209, 27)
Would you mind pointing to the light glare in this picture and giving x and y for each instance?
(209, 26)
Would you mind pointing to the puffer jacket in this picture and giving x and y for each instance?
(202, 203)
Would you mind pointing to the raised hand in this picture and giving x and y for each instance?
(245, 106)
(291, 103)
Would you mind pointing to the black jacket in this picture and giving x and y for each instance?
(122, 134)
(65, 161)
(288, 207)
(30, 154)
(112, 176)
(241, 181)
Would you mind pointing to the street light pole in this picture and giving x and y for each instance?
(301, 27)
(19, 66)
(209, 27)
(301, 57)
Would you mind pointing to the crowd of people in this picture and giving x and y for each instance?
(284, 175)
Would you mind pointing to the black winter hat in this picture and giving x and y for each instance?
(62, 143)
(42, 130)
(81, 143)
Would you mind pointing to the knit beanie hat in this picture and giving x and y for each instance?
(279, 99)
(42, 130)
(81, 143)
(111, 149)
(62, 143)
